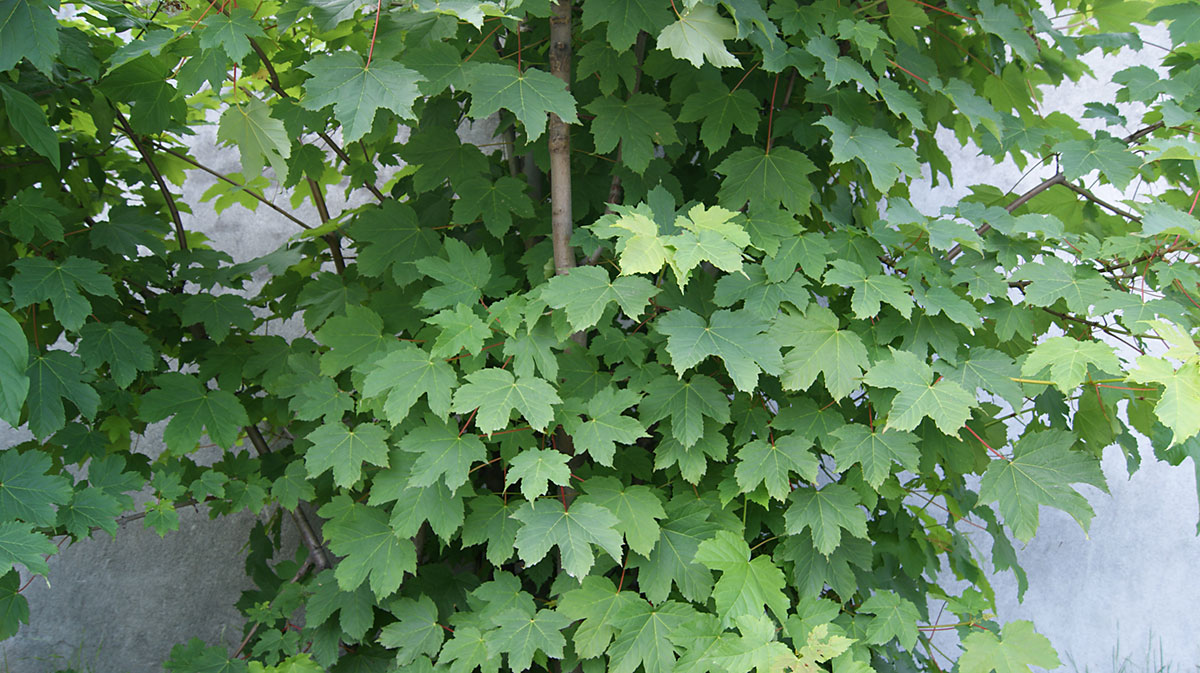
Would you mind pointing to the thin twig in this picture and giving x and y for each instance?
(158, 178)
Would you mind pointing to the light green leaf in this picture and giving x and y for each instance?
(495, 393)
(587, 290)
(637, 509)
(700, 34)
(746, 584)
(819, 347)
(605, 426)
(596, 602)
(417, 632)
(1068, 360)
(739, 338)
(772, 463)
(260, 138)
(536, 468)
(356, 92)
(461, 330)
(1020, 649)
(442, 453)
(231, 31)
(404, 375)
(920, 395)
(573, 531)
(371, 549)
(644, 637)
(344, 450)
(895, 617)
(883, 156)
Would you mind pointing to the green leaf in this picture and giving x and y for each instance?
(637, 509)
(61, 282)
(1109, 156)
(1179, 406)
(461, 330)
(709, 235)
(495, 203)
(27, 492)
(870, 290)
(747, 584)
(942, 400)
(88, 508)
(404, 375)
(356, 92)
(819, 347)
(1020, 649)
(637, 123)
(416, 632)
(29, 120)
(625, 18)
(372, 551)
(1068, 360)
(351, 338)
(231, 31)
(344, 450)
(442, 453)
(826, 512)
(260, 138)
(1162, 219)
(587, 290)
(218, 313)
(596, 602)
(895, 617)
(772, 463)
(390, 237)
(687, 403)
(643, 636)
(671, 561)
(1053, 279)
(195, 410)
(574, 531)
(766, 180)
(606, 426)
(468, 651)
(14, 360)
(739, 338)
(14, 607)
(719, 110)
(462, 276)
(883, 156)
(120, 346)
(874, 451)
(536, 468)
(698, 35)
(20, 544)
(28, 30)
(495, 393)
(521, 635)
(529, 95)
(1040, 472)
(491, 520)
(30, 210)
(55, 376)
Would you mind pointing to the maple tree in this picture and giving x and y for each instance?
(671, 376)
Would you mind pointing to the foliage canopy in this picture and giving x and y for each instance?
(673, 375)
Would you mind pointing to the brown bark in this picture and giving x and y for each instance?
(561, 221)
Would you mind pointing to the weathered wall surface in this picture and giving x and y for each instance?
(119, 605)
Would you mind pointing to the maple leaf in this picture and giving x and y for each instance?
(687, 403)
(606, 425)
(495, 203)
(260, 138)
(1108, 155)
(895, 617)
(587, 290)
(416, 630)
(391, 237)
(739, 338)
(217, 313)
(496, 394)
(874, 451)
(356, 91)
(709, 235)
(29, 120)
(371, 549)
(637, 509)
(1179, 406)
(1020, 649)
(344, 450)
(700, 34)
(536, 468)
(719, 110)
(1053, 279)
(644, 636)
(195, 410)
(671, 561)
(639, 246)
(461, 330)
(52, 377)
(27, 491)
(944, 401)
(772, 462)
(404, 375)
(883, 156)
(442, 452)
(548, 524)
(468, 651)
(20, 544)
(625, 18)
(765, 179)
(819, 347)
(595, 602)
(62, 282)
(28, 30)
(1040, 472)
(231, 31)
(1068, 360)
(637, 123)
(462, 275)
(807, 251)
(870, 290)
(747, 584)
(521, 635)
(122, 347)
(351, 338)
(826, 512)
(529, 95)
(491, 521)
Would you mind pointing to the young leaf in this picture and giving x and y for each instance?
(260, 138)
(1068, 361)
(1020, 649)
(700, 34)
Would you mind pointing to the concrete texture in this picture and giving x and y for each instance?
(1125, 590)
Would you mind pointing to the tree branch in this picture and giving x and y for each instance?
(316, 551)
(559, 139)
(158, 178)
